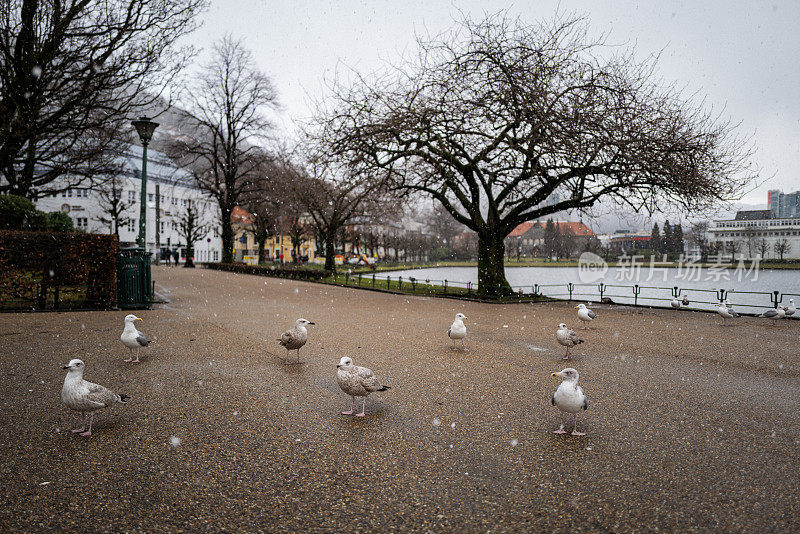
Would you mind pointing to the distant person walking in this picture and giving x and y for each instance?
(166, 255)
(176, 256)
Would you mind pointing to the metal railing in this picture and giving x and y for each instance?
(745, 302)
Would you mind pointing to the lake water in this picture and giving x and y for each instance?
(749, 290)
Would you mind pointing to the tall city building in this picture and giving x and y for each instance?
(783, 205)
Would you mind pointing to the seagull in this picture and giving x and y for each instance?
(567, 338)
(585, 314)
(132, 338)
(357, 382)
(569, 398)
(685, 300)
(790, 309)
(731, 310)
(774, 314)
(457, 330)
(675, 303)
(82, 396)
(725, 312)
(295, 338)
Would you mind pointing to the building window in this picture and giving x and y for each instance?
(161, 227)
(81, 223)
(216, 255)
(216, 232)
(132, 197)
(174, 225)
(150, 197)
(161, 199)
(131, 225)
(174, 201)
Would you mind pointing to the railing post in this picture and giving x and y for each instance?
(373, 280)
(775, 299)
(400, 283)
(602, 288)
(535, 289)
(469, 287)
(636, 291)
(570, 287)
(413, 284)
(359, 279)
(722, 295)
(445, 287)
(675, 292)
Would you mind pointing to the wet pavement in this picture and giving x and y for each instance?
(692, 426)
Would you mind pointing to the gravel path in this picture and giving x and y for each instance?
(692, 426)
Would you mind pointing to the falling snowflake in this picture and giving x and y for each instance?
(174, 442)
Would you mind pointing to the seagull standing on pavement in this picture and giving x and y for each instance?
(357, 382)
(86, 397)
(569, 397)
(585, 314)
(675, 303)
(567, 338)
(725, 312)
(458, 330)
(295, 338)
(132, 338)
(790, 309)
(774, 314)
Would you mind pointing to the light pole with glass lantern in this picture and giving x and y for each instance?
(145, 128)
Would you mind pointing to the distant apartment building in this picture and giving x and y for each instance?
(751, 232)
(246, 247)
(170, 191)
(783, 205)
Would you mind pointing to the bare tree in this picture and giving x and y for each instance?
(762, 246)
(72, 74)
(191, 228)
(114, 206)
(337, 195)
(782, 247)
(227, 111)
(269, 200)
(495, 117)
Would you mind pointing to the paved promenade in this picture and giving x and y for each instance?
(692, 426)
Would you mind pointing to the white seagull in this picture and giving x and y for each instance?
(790, 309)
(675, 303)
(86, 397)
(585, 314)
(295, 338)
(357, 382)
(132, 338)
(774, 314)
(569, 398)
(457, 330)
(725, 312)
(567, 338)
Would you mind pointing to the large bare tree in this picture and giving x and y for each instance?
(72, 75)
(227, 111)
(503, 122)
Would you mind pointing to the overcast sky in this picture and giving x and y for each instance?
(743, 55)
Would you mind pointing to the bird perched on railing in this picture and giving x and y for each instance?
(132, 338)
(357, 382)
(585, 314)
(458, 330)
(569, 397)
(567, 338)
(85, 397)
(295, 338)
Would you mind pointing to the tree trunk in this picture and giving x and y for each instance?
(189, 256)
(491, 271)
(330, 252)
(227, 237)
(261, 244)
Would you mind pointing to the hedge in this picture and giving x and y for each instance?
(33, 263)
(267, 270)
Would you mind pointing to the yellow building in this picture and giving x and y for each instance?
(246, 247)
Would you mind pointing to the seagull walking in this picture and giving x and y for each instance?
(585, 314)
(569, 397)
(458, 330)
(774, 315)
(132, 338)
(725, 312)
(567, 338)
(295, 338)
(86, 397)
(357, 382)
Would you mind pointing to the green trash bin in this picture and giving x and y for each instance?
(134, 286)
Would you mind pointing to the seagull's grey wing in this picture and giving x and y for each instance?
(448, 331)
(100, 395)
(368, 380)
(287, 337)
(592, 314)
(585, 403)
(733, 313)
(574, 337)
(553, 399)
(142, 340)
(769, 313)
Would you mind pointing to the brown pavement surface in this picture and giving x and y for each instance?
(692, 426)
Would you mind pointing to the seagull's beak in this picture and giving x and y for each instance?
(65, 367)
(338, 366)
(576, 307)
(556, 374)
(137, 319)
(312, 323)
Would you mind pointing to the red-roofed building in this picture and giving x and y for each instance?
(527, 239)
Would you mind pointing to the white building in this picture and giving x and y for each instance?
(168, 187)
(746, 233)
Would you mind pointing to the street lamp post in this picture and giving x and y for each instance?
(145, 128)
